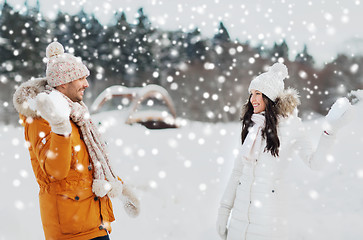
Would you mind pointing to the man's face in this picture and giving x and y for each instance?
(74, 90)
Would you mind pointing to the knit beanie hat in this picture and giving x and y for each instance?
(270, 83)
(63, 67)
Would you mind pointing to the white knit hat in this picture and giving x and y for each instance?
(270, 83)
(63, 67)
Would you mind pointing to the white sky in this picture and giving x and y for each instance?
(326, 26)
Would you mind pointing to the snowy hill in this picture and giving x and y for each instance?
(180, 175)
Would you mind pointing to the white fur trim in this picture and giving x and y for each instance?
(287, 102)
(116, 189)
(28, 90)
(100, 187)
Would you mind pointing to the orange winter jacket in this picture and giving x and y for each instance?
(69, 209)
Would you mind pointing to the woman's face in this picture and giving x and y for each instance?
(257, 102)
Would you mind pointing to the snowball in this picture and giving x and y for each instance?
(338, 109)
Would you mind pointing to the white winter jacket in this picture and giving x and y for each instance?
(255, 191)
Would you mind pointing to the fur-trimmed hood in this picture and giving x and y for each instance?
(287, 102)
(25, 92)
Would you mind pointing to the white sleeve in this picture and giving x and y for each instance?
(230, 191)
(315, 159)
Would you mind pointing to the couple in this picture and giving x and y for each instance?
(76, 179)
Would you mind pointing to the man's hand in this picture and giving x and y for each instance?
(54, 108)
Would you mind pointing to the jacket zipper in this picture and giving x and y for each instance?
(249, 206)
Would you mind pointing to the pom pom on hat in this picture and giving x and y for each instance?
(62, 67)
(279, 69)
(270, 83)
(53, 49)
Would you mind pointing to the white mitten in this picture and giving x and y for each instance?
(54, 108)
(116, 189)
(339, 114)
(130, 202)
(222, 220)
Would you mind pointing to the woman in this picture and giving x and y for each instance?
(271, 134)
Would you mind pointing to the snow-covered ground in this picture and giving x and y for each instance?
(180, 175)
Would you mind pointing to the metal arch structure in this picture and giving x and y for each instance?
(153, 91)
(113, 91)
(136, 97)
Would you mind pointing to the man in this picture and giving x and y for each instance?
(68, 157)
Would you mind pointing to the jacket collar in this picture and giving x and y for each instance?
(287, 102)
(25, 92)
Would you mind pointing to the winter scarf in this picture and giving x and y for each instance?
(104, 179)
(251, 147)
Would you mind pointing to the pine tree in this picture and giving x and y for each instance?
(35, 40)
(222, 35)
(304, 57)
(195, 45)
(6, 19)
(280, 51)
(141, 46)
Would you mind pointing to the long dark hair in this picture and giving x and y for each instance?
(269, 132)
